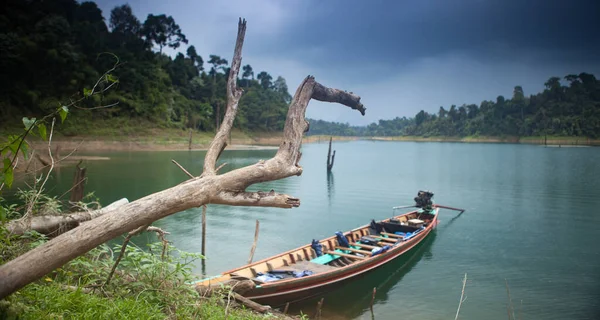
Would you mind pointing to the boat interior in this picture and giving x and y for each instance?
(338, 251)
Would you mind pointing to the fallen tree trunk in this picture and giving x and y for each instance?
(228, 188)
(52, 225)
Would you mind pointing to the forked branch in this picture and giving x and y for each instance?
(233, 98)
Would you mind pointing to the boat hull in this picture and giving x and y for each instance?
(278, 294)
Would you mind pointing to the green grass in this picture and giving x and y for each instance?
(39, 301)
(50, 301)
(150, 283)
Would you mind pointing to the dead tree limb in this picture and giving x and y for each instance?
(52, 225)
(182, 168)
(227, 188)
(251, 304)
(159, 232)
(122, 253)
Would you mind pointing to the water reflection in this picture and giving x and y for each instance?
(359, 291)
(330, 186)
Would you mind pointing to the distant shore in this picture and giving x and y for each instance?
(551, 140)
(242, 141)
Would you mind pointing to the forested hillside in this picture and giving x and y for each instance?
(571, 109)
(53, 52)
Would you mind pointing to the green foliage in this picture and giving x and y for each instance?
(148, 284)
(54, 302)
(51, 50)
(163, 31)
(63, 111)
(561, 110)
(41, 204)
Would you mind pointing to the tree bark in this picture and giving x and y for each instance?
(228, 188)
(55, 225)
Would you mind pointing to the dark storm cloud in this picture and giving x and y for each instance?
(401, 31)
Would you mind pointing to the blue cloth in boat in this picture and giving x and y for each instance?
(342, 240)
(304, 273)
(281, 274)
(381, 250)
(317, 247)
(268, 277)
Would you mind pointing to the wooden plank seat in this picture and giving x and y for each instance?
(341, 254)
(364, 245)
(365, 252)
(393, 235)
(385, 239)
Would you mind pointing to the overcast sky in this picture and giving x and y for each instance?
(399, 56)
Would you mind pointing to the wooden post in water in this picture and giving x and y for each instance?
(372, 301)
(254, 243)
(330, 158)
(78, 186)
(287, 306)
(319, 306)
(190, 140)
(203, 230)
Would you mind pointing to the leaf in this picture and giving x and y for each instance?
(28, 122)
(8, 176)
(7, 164)
(14, 146)
(48, 279)
(42, 129)
(24, 147)
(111, 78)
(63, 113)
(87, 92)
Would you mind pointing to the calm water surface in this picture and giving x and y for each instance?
(532, 220)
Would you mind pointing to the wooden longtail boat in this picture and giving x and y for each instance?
(323, 265)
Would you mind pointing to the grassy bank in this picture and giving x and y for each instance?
(150, 283)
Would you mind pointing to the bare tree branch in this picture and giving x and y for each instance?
(182, 168)
(256, 199)
(221, 166)
(349, 99)
(159, 232)
(53, 225)
(233, 97)
(29, 210)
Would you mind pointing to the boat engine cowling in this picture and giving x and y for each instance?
(423, 199)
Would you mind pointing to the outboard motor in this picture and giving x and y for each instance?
(423, 200)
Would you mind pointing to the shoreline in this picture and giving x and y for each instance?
(549, 141)
(271, 142)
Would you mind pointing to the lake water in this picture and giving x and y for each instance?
(532, 221)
